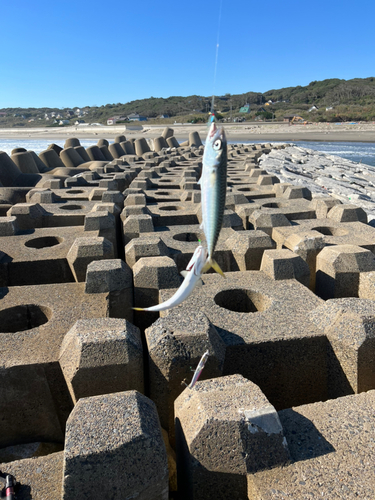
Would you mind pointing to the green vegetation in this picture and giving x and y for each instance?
(335, 100)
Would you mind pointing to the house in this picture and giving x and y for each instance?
(114, 119)
(64, 122)
(79, 122)
(3, 113)
(329, 108)
(245, 108)
(313, 108)
(135, 117)
(163, 116)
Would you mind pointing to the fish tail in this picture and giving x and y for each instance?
(215, 266)
(139, 309)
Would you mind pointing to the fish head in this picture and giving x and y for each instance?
(216, 144)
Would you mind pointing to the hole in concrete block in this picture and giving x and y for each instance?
(243, 301)
(273, 205)
(330, 231)
(162, 193)
(23, 317)
(186, 237)
(245, 189)
(171, 208)
(44, 242)
(72, 207)
(75, 191)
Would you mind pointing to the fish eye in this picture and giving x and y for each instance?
(217, 145)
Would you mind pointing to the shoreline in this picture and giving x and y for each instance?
(243, 132)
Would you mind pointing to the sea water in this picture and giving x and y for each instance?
(363, 152)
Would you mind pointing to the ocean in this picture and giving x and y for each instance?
(356, 151)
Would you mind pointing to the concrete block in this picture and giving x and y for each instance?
(294, 192)
(175, 345)
(51, 159)
(225, 429)
(71, 142)
(134, 225)
(114, 277)
(366, 289)
(94, 153)
(113, 197)
(338, 270)
(141, 146)
(115, 441)
(151, 246)
(267, 180)
(322, 206)
(332, 455)
(347, 213)
(151, 274)
(120, 138)
(307, 244)
(86, 250)
(194, 139)
(248, 247)
(167, 132)
(135, 199)
(25, 162)
(105, 223)
(28, 215)
(266, 219)
(101, 356)
(285, 265)
(8, 226)
(116, 150)
(349, 325)
(38, 195)
(83, 153)
(173, 142)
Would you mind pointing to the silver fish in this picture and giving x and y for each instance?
(192, 277)
(213, 189)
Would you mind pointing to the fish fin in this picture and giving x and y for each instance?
(200, 180)
(201, 227)
(216, 267)
(212, 263)
(184, 273)
(139, 309)
(199, 284)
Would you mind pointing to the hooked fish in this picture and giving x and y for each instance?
(192, 277)
(199, 369)
(213, 189)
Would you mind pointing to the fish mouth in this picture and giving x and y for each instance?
(216, 133)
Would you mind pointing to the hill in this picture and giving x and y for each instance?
(334, 100)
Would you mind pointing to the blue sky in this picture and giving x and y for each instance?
(69, 53)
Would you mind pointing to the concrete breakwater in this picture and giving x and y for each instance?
(93, 394)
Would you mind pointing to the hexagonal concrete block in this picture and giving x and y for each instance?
(114, 277)
(295, 192)
(349, 325)
(100, 356)
(266, 219)
(175, 345)
(114, 447)
(338, 270)
(225, 428)
(8, 226)
(323, 205)
(267, 180)
(41, 196)
(248, 247)
(151, 274)
(151, 246)
(85, 250)
(347, 213)
(135, 199)
(307, 244)
(134, 225)
(29, 215)
(285, 265)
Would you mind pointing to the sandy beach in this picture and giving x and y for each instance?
(236, 132)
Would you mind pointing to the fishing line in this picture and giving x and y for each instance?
(216, 59)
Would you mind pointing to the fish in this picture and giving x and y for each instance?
(213, 184)
(192, 278)
(198, 370)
